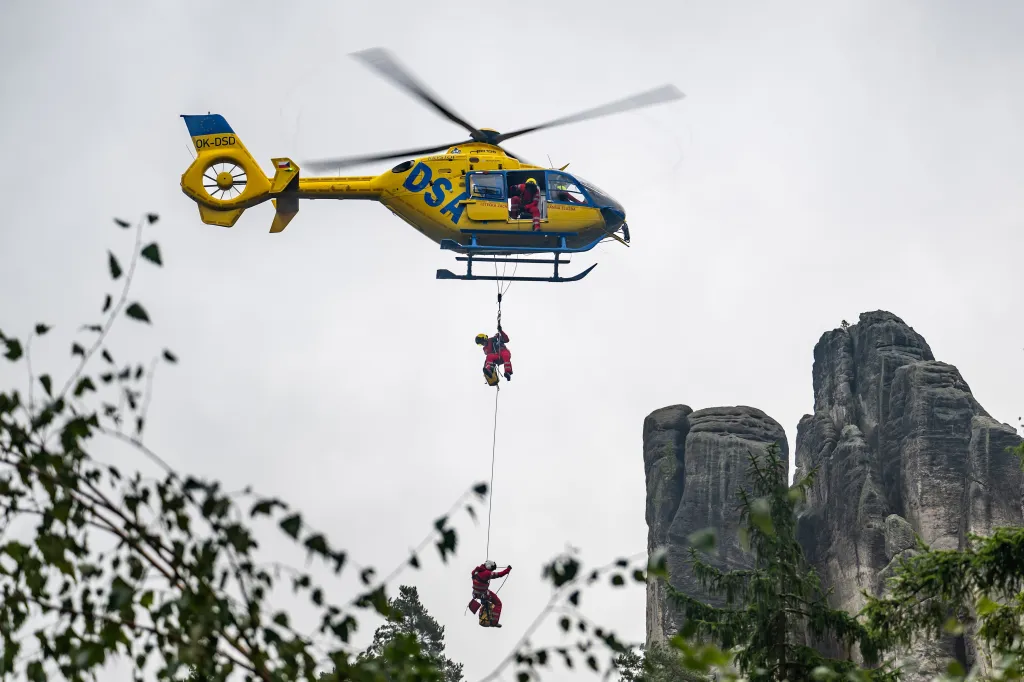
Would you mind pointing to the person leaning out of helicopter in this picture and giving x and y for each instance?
(526, 198)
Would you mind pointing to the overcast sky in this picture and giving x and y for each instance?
(829, 159)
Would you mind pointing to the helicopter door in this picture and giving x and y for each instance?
(518, 178)
(486, 201)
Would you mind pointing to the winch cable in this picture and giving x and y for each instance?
(490, 490)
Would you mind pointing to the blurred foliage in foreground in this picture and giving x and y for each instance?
(163, 574)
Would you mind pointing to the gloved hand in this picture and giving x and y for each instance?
(510, 568)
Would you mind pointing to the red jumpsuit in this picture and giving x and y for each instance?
(525, 197)
(482, 589)
(497, 352)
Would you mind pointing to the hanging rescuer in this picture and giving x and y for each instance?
(483, 596)
(495, 352)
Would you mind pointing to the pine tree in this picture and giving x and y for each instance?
(657, 663)
(410, 618)
(780, 596)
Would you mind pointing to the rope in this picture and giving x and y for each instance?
(490, 497)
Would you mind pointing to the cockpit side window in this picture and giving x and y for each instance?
(562, 189)
(489, 186)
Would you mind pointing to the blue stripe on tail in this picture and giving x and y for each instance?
(206, 124)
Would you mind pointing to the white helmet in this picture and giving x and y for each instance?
(490, 565)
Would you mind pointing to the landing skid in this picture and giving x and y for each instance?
(476, 253)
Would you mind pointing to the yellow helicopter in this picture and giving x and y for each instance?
(460, 198)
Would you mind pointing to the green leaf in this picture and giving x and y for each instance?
(414, 561)
(657, 563)
(77, 349)
(170, 357)
(574, 598)
(107, 302)
(266, 507)
(618, 580)
(147, 599)
(292, 524)
(953, 627)
(480, 489)
(152, 254)
(137, 312)
(152, 218)
(744, 536)
(955, 669)
(317, 544)
(14, 350)
(761, 515)
(565, 624)
(106, 356)
(704, 540)
(986, 606)
(115, 267)
(42, 329)
(47, 383)
(122, 223)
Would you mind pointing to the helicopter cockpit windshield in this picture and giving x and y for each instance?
(600, 197)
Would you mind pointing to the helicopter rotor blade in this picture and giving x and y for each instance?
(665, 93)
(341, 162)
(387, 65)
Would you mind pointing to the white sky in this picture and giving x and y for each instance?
(830, 158)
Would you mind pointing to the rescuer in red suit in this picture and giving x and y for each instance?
(526, 197)
(482, 577)
(495, 352)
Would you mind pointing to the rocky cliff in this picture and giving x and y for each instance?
(902, 449)
(694, 463)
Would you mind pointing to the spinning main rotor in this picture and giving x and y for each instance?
(385, 64)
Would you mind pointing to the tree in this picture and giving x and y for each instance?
(767, 605)
(410, 617)
(159, 571)
(945, 591)
(659, 662)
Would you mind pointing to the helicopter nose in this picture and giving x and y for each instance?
(614, 217)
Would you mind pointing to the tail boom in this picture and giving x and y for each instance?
(225, 179)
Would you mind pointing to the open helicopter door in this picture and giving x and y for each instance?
(487, 196)
(519, 177)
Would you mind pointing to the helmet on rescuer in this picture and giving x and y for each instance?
(490, 565)
(481, 338)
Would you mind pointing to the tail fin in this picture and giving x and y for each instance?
(224, 179)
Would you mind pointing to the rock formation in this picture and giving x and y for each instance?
(902, 450)
(694, 463)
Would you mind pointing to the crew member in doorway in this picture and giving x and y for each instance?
(525, 198)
